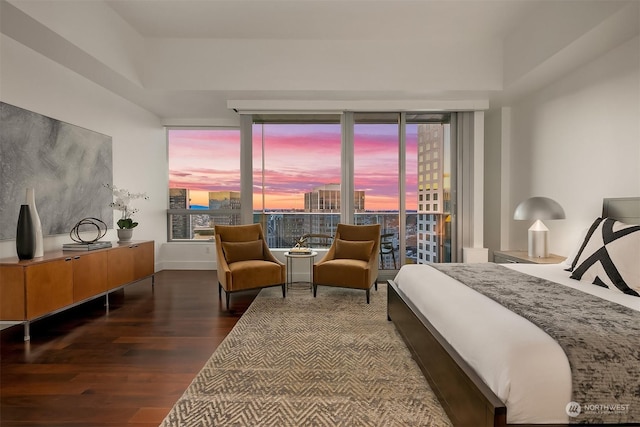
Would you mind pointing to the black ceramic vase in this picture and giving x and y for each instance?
(25, 236)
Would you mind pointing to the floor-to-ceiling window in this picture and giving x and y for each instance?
(429, 160)
(204, 181)
(416, 228)
(296, 176)
(401, 178)
(375, 175)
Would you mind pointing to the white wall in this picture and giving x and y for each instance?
(33, 82)
(577, 141)
(492, 176)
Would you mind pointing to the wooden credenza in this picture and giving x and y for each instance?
(31, 289)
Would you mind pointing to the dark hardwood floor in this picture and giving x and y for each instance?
(124, 367)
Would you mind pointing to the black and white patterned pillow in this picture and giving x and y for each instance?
(609, 256)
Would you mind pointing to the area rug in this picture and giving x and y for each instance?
(302, 361)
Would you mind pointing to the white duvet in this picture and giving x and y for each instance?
(523, 365)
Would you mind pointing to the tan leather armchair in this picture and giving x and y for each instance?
(352, 260)
(245, 261)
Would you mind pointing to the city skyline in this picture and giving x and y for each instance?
(297, 159)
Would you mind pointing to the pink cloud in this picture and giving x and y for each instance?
(297, 159)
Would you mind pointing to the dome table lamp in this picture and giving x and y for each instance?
(537, 209)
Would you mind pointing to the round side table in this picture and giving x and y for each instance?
(291, 256)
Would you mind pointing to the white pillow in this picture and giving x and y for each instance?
(568, 262)
(609, 256)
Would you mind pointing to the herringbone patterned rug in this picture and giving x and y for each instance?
(303, 361)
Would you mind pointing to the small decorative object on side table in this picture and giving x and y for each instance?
(295, 254)
(522, 257)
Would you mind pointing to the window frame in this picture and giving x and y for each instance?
(247, 211)
(190, 212)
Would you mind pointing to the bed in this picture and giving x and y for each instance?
(472, 386)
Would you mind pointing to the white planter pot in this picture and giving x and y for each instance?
(125, 234)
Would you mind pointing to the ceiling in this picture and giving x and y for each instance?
(191, 61)
(324, 19)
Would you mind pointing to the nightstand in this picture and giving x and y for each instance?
(506, 257)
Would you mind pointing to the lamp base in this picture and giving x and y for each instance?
(538, 244)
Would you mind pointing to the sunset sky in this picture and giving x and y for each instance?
(297, 159)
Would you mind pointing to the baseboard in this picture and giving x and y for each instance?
(187, 265)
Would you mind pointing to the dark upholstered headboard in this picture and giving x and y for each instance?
(625, 209)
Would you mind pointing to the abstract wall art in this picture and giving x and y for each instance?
(66, 165)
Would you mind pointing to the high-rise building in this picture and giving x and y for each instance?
(326, 199)
(433, 194)
(198, 223)
(224, 200)
(178, 199)
(228, 202)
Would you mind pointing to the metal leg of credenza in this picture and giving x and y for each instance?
(27, 331)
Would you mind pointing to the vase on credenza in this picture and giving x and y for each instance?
(35, 220)
(25, 239)
(125, 234)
